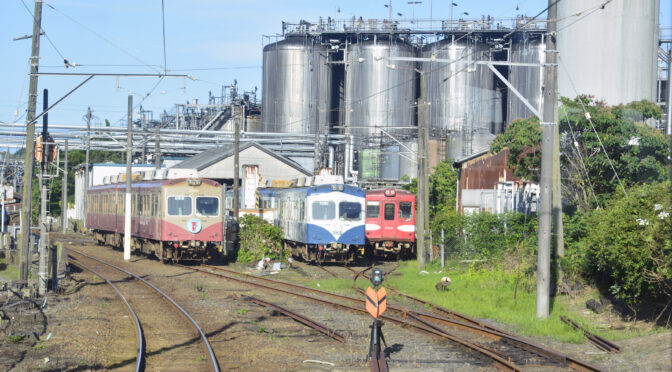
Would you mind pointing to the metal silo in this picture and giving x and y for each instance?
(296, 86)
(462, 94)
(379, 92)
(525, 48)
(608, 50)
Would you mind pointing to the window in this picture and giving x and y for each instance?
(179, 205)
(372, 209)
(389, 212)
(207, 206)
(324, 210)
(349, 211)
(405, 210)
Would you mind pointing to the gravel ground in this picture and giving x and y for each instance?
(90, 329)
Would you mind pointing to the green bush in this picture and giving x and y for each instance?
(629, 246)
(259, 239)
(485, 235)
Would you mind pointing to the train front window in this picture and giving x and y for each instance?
(324, 210)
(372, 209)
(207, 206)
(349, 211)
(389, 212)
(179, 205)
(405, 210)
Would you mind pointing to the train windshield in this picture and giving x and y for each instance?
(207, 206)
(405, 210)
(349, 211)
(179, 205)
(372, 209)
(324, 210)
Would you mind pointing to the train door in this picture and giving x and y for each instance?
(388, 221)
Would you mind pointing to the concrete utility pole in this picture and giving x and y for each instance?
(549, 124)
(127, 209)
(86, 165)
(236, 168)
(157, 149)
(30, 134)
(64, 192)
(420, 200)
(44, 232)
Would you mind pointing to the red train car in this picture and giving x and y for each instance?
(179, 219)
(390, 222)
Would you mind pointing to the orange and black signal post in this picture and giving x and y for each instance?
(376, 303)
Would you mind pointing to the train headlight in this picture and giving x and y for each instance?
(194, 182)
(390, 192)
(336, 187)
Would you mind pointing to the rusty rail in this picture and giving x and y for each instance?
(299, 318)
(598, 341)
(214, 365)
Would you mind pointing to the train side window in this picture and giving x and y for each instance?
(324, 210)
(389, 212)
(179, 205)
(405, 210)
(349, 211)
(207, 206)
(372, 209)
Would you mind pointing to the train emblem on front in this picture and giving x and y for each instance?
(194, 225)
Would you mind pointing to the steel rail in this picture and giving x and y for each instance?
(501, 363)
(299, 318)
(213, 358)
(469, 324)
(138, 327)
(598, 341)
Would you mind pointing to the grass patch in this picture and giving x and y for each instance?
(202, 357)
(40, 345)
(242, 311)
(105, 305)
(10, 272)
(15, 339)
(336, 285)
(489, 293)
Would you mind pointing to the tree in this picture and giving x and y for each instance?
(638, 152)
(523, 139)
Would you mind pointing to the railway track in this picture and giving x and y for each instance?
(160, 322)
(504, 350)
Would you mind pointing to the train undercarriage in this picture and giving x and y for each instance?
(335, 252)
(166, 252)
(391, 249)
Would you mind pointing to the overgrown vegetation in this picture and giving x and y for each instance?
(622, 244)
(259, 239)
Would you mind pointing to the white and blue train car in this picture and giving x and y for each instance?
(322, 223)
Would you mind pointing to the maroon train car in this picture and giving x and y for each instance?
(390, 222)
(179, 219)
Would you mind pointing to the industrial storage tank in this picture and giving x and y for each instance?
(525, 48)
(463, 101)
(296, 87)
(379, 91)
(608, 49)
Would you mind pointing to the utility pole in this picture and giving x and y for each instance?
(64, 192)
(236, 168)
(157, 149)
(127, 209)
(30, 134)
(420, 200)
(86, 168)
(549, 124)
(44, 233)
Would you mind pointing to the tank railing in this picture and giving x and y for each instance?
(486, 23)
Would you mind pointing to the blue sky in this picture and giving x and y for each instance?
(214, 41)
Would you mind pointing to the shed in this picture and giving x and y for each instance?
(487, 184)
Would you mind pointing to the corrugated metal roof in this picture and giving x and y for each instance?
(210, 157)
